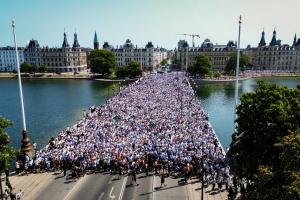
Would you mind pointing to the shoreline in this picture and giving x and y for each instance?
(62, 76)
(90, 77)
(248, 77)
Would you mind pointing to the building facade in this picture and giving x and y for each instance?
(275, 56)
(8, 62)
(149, 57)
(64, 59)
(218, 54)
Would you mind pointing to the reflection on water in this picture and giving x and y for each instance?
(50, 105)
(217, 98)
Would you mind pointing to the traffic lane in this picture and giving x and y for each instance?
(58, 188)
(99, 186)
(91, 187)
(141, 192)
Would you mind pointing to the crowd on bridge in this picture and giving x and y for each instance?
(155, 123)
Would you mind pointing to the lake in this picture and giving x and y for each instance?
(53, 104)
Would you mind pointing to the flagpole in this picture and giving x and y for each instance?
(237, 71)
(26, 147)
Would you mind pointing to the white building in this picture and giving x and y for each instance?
(8, 62)
(149, 57)
(217, 54)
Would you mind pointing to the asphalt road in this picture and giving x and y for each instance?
(99, 186)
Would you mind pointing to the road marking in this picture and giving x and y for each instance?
(101, 196)
(111, 196)
(76, 185)
(123, 188)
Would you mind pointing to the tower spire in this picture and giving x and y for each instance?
(76, 43)
(295, 40)
(65, 42)
(96, 43)
(273, 41)
(262, 40)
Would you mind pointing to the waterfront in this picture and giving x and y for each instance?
(56, 104)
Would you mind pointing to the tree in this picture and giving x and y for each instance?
(102, 61)
(263, 150)
(164, 62)
(231, 63)
(43, 68)
(122, 72)
(134, 69)
(25, 67)
(7, 153)
(202, 66)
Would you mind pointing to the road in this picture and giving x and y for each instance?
(103, 186)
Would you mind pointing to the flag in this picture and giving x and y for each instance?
(117, 118)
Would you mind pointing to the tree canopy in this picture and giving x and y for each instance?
(202, 66)
(28, 68)
(132, 70)
(164, 61)
(231, 63)
(265, 147)
(102, 61)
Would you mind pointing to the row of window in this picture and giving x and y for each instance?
(280, 53)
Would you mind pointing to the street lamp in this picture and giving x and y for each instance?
(26, 147)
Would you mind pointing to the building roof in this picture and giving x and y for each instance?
(65, 42)
(33, 44)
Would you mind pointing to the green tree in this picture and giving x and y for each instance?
(25, 67)
(7, 153)
(102, 61)
(43, 68)
(231, 63)
(202, 66)
(164, 61)
(259, 150)
(122, 72)
(134, 69)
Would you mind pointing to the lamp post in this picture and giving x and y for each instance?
(26, 147)
(237, 70)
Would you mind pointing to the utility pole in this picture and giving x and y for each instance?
(26, 147)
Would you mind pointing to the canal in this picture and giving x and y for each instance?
(52, 105)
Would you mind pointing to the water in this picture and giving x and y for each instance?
(218, 99)
(52, 105)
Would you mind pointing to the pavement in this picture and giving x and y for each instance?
(103, 186)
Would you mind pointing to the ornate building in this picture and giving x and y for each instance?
(218, 54)
(8, 61)
(275, 56)
(64, 59)
(149, 57)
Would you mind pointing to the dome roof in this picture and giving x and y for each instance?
(33, 44)
(149, 45)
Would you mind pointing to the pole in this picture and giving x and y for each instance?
(26, 147)
(19, 79)
(237, 70)
(202, 178)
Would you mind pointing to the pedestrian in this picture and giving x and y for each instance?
(133, 177)
(162, 181)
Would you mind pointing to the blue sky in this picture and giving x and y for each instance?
(159, 21)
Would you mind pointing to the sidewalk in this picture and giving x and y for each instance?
(31, 185)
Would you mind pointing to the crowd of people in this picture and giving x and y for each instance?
(153, 124)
